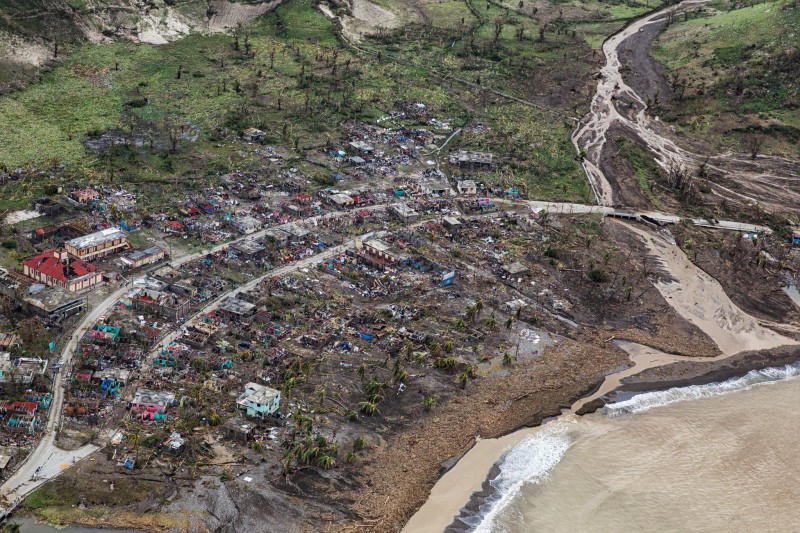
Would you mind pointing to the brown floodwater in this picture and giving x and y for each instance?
(717, 457)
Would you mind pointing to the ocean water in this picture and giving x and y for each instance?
(717, 457)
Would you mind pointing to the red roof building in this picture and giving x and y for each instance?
(57, 268)
(173, 225)
(24, 407)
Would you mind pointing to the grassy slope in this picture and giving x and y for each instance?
(741, 62)
(100, 87)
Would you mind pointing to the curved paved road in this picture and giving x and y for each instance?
(47, 460)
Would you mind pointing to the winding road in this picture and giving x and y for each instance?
(47, 460)
(615, 103)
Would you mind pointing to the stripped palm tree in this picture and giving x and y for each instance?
(472, 313)
(368, 408)
(448, 345)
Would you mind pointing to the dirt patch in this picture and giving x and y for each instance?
(671, 334)
(16, 50)
(643, 74)
(625, 305)
(227, 15)
(748, 270)
(367, 19)
(625, 185)
(20, 216)
(700, 299)
(683, 374)
(162, 29)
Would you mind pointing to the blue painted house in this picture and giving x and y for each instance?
(259, 401)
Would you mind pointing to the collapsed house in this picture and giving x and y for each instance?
(253, 135)
(152, 403)
(21, 370)
(46, 206)
(140, 258)
(176, 281)
(163, 304)
(236, 429)
(237, 308)
(467, 187)
(404, 212)
(248, 249)
(85, 196)
(434, 186)
(472, 160)
(515, 269)
(52, 304)
(246, 225)
(379, 253)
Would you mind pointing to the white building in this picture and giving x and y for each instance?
(259, 401)
(247, 225)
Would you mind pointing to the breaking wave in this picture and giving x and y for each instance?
(527, 462)
(649, 400)
(531, 460)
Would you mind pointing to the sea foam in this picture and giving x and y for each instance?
(531, 460)
(527, 462)
(649, 400)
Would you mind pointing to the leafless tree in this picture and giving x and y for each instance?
(679, 179)
(173, 129)
(753, 142)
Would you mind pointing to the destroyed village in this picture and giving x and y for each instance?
(408, 265)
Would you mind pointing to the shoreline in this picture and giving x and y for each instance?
(686, 373)
(483, 456)
(672, 375)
